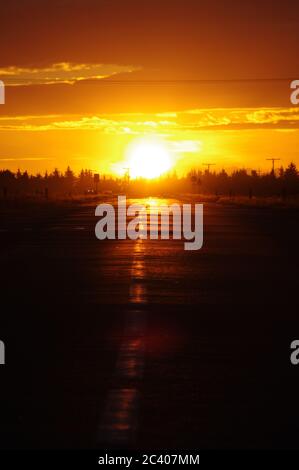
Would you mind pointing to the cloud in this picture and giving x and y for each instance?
(274, 116)
(108, 124)
(235, 118)
(62, 72)
(138, 124)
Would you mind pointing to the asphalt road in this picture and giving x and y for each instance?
(140, 344)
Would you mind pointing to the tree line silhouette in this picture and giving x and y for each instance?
(283, 183)
(241, 182)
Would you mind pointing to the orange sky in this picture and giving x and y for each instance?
(85, 78)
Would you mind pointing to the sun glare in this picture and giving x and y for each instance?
(147, 159)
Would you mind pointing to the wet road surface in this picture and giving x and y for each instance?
(140, 344)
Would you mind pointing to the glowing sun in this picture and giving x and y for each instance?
(148, 159)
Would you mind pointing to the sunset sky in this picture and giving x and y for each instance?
(210, 80)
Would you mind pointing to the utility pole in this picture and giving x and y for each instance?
(273, 160)
(127, 174)
(208, 165)
(96, 179)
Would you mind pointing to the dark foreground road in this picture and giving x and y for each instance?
(142, 344)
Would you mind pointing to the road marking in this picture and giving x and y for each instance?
(120, 418)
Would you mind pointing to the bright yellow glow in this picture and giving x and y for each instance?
(148, 159)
